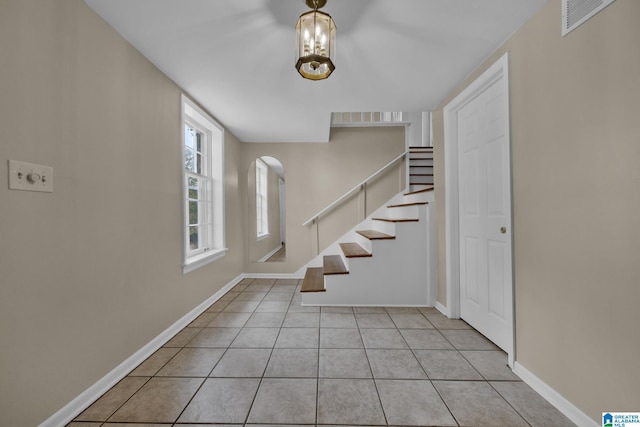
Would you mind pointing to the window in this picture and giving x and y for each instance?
(203, 187)
(262, 212)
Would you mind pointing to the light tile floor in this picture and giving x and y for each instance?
(258, 358)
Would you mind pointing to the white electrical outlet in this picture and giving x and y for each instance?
(30, 177)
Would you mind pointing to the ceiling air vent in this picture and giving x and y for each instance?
(577, 12)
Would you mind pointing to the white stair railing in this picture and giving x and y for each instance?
(360, 187)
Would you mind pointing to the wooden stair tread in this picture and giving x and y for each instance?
(375, 235)
(408, 204)
(396, 219)
(423, 190)
(333, 264)
(354, 250)
(313, 280)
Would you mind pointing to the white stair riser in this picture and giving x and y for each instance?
(403, 212)
(421, 163)
(362, 241)
(422, 169)
(421, 180)
(385, 227)
(419, 197)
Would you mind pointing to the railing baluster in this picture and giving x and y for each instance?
(361, 188)
(364, 209)
(316, 224)
(340, 199)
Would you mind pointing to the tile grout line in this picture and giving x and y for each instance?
(214, 366)
(226, 349)
(319, 328)
(253, 401)
(375, 384)
(425, 371)
(119, 407)
(509, 403)
(154, 376)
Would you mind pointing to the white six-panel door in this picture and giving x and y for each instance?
(478, 124)
(484, 208)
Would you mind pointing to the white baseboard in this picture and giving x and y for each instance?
(563, 405)
(442, 309)
(366, 305)
(270, 254)
(90, 395)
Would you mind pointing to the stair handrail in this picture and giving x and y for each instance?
(340, 199)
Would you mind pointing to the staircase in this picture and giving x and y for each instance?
(420, 166)
(387, 260)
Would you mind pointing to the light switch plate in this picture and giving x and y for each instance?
(30, 177)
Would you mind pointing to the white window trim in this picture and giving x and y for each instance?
(191, 112)
(262, 165)
(203, 259)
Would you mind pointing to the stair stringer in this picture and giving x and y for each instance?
(401, 272)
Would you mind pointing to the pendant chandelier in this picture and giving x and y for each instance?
(315, 43)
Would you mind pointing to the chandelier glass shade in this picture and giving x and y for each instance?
(315, 44)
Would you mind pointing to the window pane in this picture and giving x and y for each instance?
(199, 141)
(193, 213)
(193, 188)
(189, 136)
(194, 238)
(189, 160)
(199, 161)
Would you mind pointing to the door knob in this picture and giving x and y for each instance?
(503, 230)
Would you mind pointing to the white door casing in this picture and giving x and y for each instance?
(478, 207)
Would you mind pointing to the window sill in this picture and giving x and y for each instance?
(200, 260)
(262, 237)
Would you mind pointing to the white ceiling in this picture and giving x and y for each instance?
(236, 57)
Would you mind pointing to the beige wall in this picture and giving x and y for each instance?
(258, 249)
(575, 152)
(317, 174)
(92, 272)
